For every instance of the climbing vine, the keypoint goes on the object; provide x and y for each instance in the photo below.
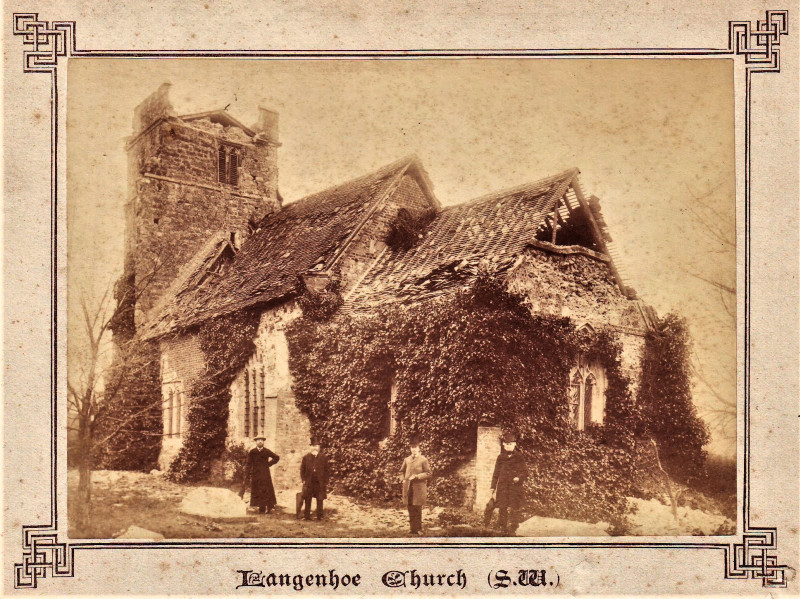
(127, 428)
(665, 397)
(227, 343)
(474, 357)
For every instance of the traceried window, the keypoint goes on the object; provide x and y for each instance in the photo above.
(258, 405)
(173, 408)
(247, 403)
(586, 396)
(575, 398)
(389, 417)
(228, 162)
(168, 412)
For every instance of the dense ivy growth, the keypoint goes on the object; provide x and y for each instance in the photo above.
(127, 428)
(474, 357)
(227, 343)
(665, 401)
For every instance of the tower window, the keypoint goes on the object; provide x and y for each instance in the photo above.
(228, 162)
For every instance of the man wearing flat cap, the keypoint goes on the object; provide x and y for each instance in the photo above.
(510, 472)
(259, 461)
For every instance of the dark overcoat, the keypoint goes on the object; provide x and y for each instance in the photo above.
(262, 493)
(509, 465)
(314, 474)
(421, 469)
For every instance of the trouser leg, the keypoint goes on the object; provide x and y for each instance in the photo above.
(417, 518)
(513, 520)
(319, 507)
(414, 514)
(307, 507)
(502, 518)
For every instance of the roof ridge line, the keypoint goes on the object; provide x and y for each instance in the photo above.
(371, 173)
(368, 213)
(494, 195)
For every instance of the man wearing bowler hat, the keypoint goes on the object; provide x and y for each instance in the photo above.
(510, 472)
(259, 461)
(416, 471)
(314, 474)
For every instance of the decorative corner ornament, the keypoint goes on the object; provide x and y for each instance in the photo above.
(41, 552)
(760, 45)
(49, 41)
(755, 558)
(44, 42)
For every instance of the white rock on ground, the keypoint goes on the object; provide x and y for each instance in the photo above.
(554, 527)
(213, 502)
(136, 532)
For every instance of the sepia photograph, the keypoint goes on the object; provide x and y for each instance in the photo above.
(401, 298)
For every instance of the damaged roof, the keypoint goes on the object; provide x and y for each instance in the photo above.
(286, 244)
(491, 231)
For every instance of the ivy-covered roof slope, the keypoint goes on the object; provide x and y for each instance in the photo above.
(491, 232)
(285, 244)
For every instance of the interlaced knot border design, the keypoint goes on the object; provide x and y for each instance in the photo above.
(44, 42)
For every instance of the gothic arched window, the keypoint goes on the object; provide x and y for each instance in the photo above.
(586, 392)
(588, 396)
(168, 413)
(575, 398)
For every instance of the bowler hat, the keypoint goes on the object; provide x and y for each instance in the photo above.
(509, 437)
(257, 437)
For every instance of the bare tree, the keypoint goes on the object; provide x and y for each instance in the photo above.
(99, 370)
(717, 229)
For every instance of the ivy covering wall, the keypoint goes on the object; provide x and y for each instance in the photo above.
(227, 343)
(475, 357)
(665, 400)
(127, 429)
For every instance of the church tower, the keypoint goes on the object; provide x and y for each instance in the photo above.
(190, 178)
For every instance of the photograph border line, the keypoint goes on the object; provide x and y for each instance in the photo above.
(45, 42)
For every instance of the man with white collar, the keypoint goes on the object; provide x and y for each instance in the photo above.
(259, 461)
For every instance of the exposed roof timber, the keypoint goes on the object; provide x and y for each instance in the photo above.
(575, 184)
(222, 115)
(413, 168)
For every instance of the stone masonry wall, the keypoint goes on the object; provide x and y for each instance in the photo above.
(583, 289)
(177, 202)
(265, 382)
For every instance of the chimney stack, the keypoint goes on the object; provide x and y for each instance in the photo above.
(157, 105)
(267, 126)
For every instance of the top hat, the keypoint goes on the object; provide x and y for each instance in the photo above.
(509, 438)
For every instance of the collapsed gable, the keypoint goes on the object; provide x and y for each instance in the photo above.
(309, 235)
(496, 232)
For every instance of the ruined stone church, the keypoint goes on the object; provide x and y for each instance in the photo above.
(208, 234)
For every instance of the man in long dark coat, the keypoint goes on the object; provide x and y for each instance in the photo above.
(510, 472)
(314, 474)
(259, 461)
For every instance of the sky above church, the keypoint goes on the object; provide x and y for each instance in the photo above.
(654, 140)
